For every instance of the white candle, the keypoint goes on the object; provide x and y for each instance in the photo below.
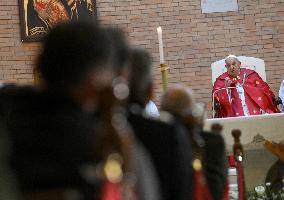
(160, 38)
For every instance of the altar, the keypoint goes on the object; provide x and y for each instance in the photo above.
(270, 126)
(257, 159)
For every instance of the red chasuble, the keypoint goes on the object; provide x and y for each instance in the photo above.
(258, 96)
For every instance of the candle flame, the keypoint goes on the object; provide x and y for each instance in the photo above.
(159, 29)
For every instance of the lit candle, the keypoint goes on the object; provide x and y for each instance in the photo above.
(159, 30)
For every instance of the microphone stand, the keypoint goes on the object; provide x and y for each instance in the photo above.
(213, 95)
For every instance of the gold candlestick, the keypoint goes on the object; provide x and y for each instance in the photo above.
(164, 71)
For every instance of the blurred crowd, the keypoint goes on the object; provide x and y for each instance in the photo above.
(84, 131)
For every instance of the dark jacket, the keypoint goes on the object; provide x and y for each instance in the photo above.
(215, 163)
(212, 149)
(170, 151)
(54, 144)
(52, 140)
(275, 176)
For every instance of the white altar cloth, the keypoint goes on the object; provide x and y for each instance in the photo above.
(270, 126)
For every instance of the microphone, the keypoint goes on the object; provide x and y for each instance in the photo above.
(213, 95)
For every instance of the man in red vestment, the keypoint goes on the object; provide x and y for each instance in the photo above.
(242, 92)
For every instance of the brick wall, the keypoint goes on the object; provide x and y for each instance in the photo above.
(192, 40)
(16, 58)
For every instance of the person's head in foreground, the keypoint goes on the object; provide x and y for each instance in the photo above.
(79, 58)
(73, 51)
(140, 77)
(179, 101)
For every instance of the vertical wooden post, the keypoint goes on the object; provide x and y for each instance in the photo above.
(239, 156)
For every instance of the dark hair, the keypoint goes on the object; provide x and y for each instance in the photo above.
(140, 77)
(120, 48)
(71, 50)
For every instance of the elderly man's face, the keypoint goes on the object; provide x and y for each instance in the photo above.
(233, 66)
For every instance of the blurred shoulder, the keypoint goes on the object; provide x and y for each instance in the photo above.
(12, 90)
(139, 117)
(13, 96)
(166, 117)
(213, 138)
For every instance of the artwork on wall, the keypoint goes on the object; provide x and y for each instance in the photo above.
(39, 16)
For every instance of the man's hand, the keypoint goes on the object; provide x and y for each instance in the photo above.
(277, 101)
(217, 106)
(228, 82)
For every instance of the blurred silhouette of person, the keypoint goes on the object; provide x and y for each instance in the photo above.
(275, 174)
(207, 147)
(167, 144)
(52, 129)
(8, 183)
(64, 143)
(149, 187)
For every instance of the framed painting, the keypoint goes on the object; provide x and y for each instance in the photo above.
(37, 17)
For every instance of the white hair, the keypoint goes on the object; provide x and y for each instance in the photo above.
(232, 56)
